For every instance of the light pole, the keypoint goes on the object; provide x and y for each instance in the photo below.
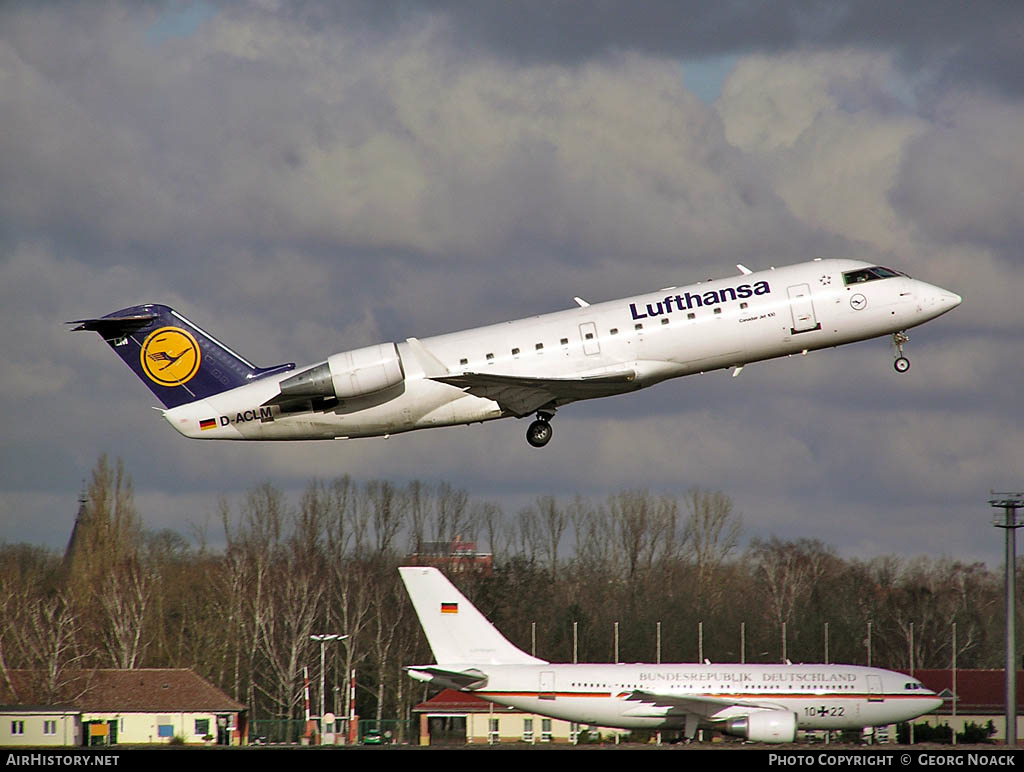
(322, 640)
(1010, 503)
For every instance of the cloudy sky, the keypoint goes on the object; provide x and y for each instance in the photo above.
(305, 178)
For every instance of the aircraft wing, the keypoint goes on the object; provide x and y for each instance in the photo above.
(521, 395)
(700, 705)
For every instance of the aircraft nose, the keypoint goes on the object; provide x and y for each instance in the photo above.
(943, 297)
(936, 301)
(921, 706)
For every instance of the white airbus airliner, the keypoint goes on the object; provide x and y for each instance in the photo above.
(521, 368)
(764, 703)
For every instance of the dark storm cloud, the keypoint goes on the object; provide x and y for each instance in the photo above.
(304, 178)
(963, 182)
(374, 158)
(943, 40)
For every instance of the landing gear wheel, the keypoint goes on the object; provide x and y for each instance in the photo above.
(902, 364)
(539, 433)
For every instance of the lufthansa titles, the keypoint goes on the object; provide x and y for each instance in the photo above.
(689, 300)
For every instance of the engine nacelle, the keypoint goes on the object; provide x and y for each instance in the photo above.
(764, 726)
(366, 370)
(350, 374)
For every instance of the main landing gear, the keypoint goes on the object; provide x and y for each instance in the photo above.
(902, 364)
(540, 431)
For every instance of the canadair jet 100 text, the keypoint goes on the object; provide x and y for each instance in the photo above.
(528, 367)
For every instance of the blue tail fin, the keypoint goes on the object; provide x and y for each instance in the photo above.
(177, 360)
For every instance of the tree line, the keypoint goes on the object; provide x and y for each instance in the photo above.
(639, 574)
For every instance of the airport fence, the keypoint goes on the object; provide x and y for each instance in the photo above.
(281, 731)
(276, 731)
(389, 731)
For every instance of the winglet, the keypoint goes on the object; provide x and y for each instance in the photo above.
(432, 366)
(743, 269)
(581, 302)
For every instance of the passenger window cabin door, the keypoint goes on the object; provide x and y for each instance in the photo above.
(874, 689)
(547, 685)
(588, 334)
(802, 307)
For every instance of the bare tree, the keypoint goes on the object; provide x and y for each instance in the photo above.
(644, 526)
(595, 551)
(50, 648)
(107, 579)
(283, 639)
(418, 512)
(553, 521)
(312, 521)
(338, 503)
(530, 538)
(788, 571)
(390, 615)
(921, 604)
(498, 535)
(350, 609)
(450, 513)
(125, 604)
(712, 533)
(251, 547)
(388, 513)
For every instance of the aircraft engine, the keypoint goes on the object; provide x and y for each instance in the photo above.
(764, 726)
(350, 374)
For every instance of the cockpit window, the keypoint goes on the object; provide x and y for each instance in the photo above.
(862, 275)
(913, 685)
(886, 273)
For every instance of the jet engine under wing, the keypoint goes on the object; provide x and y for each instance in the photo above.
(756, 720)
(521, 395)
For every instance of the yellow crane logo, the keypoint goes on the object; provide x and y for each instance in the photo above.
(170, 356)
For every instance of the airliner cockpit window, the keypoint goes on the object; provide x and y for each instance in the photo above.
(858, 277)
(869, 274)
(886, 273)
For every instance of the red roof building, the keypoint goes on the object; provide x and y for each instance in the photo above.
(145, 705)
(980, 698)
(455, 556)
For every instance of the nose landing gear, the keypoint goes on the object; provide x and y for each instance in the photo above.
(539, 432)
(902, 364)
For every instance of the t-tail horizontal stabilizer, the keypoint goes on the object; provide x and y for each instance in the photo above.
(176, 359)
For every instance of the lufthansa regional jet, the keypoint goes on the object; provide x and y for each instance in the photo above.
(762, 703)
(528, 367)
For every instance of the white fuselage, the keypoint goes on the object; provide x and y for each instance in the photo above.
(678, 331)
(627, 695)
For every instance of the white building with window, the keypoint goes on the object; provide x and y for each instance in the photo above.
(118, 707)
(40, 726)
(460, 718)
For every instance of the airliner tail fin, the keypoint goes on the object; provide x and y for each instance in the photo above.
(176, 359)
(456, 631)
